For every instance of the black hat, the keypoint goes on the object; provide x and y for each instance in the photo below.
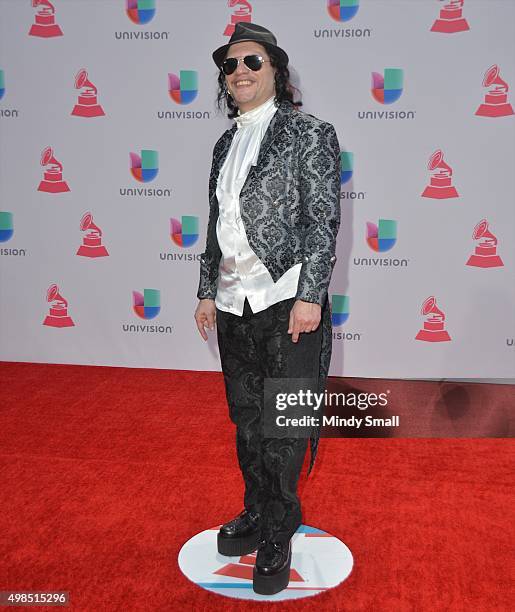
(250, 31)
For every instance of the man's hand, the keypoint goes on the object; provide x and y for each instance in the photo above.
(205, 316)
(304, 317)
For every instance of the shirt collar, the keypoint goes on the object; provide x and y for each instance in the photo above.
(256, 115)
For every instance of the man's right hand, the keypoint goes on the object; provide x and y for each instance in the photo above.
(205, 316)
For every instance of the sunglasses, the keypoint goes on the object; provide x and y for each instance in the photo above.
(254, 62)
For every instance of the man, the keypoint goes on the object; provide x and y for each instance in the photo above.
(270, 250)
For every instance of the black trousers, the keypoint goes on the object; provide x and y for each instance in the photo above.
(252, 348)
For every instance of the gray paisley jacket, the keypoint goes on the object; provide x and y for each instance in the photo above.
(290, 209)
(289, 204)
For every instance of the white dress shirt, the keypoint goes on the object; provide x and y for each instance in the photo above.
(241, 273)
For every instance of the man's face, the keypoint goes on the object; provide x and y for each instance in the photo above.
(247, 88)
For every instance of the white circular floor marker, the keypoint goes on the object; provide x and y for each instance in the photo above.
(319, 562)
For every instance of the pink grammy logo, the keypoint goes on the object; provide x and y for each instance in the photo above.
(244, 568)
(53, 175)
(92, 242)
(496, 98)
(58, 312)
(485, 253)
(44, 24)
(87, 104)
(243, 12)
(451, 18)
(434, 328)
(440, 186)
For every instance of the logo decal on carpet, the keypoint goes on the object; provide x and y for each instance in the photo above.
(319, 562)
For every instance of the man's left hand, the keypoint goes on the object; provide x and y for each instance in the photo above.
(304, 318)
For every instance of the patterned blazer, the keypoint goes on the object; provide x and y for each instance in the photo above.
(289, 204)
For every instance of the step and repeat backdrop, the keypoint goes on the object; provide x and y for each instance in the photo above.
(107, 125)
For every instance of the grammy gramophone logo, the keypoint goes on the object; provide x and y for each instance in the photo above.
(87, 103)
(440, 183)
(485, 253)
(496, 98)
(58, 310)
(451, 18)
(242, 12)
(434, 324)
(44, 24)
(52, 181)
(92, 240)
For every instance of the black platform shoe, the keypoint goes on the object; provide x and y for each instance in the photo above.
(272, 569)
(241, 535)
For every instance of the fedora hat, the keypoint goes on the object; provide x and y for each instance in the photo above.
(245, 31)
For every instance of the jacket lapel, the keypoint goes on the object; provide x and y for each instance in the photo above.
(229, 135)
(219, 159)
(276, 125)
(278, 122)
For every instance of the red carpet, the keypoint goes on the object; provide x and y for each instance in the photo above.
(106, 472)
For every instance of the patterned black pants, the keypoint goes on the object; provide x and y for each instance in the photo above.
(252, 348)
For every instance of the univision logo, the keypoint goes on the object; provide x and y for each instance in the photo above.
(339, 316)
(140, 11)
(342, 10)
(7, 232)
(346, 166)
(184, 233)
(339, 309)
(6, 226)
(146, 305)
(387, 87)
(346, 173)
(383, 236)
(144, 167)
(5, 112)
(183, 89)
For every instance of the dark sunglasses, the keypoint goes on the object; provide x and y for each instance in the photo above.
(254, 62)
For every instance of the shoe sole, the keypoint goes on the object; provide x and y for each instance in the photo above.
(235, 547)
(270, 585)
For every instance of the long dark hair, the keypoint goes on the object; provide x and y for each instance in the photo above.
(284, 90)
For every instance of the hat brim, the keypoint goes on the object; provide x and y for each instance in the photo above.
(221, 52)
